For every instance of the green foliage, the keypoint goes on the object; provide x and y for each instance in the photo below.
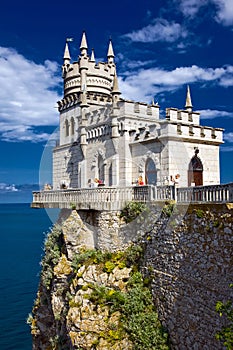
(109, 266)
(226, 333)
(108, 261)
(169, 208)
(139, 318)
(200, 213)
(133, 254)
(87, 257)
(53, 247)
(132, 210)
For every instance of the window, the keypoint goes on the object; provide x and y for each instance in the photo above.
(72, 124)
(66, 128)
(151, 173)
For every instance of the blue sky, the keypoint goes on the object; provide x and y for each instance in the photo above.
(160, 47)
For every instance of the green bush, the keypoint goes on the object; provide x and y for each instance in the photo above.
(132, 210)
(226, 333)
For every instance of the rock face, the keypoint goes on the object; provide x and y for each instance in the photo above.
(186, 253)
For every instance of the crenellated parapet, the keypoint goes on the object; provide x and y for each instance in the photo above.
(86, 74)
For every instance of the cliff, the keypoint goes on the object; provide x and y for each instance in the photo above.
(108, 284)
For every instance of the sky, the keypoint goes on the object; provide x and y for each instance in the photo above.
(160, 47)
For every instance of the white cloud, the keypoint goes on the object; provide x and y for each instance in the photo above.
(27, 96)
(190, 8)
(224, 11)
(211, 114)
(160, 30)
(228, 137)
(146, 83)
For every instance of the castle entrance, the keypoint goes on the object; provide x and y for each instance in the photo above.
(195, 171)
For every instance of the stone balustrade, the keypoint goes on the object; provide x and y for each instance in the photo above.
(115, 198)
(212, 193)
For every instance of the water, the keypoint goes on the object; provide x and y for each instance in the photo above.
(22, 233)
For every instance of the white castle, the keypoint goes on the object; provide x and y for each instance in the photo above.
(117, 141)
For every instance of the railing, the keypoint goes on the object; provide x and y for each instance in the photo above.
(114, 198)
(211, 193)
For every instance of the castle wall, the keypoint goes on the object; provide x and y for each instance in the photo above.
(190, 262)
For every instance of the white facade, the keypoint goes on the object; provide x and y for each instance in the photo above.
(104, 137)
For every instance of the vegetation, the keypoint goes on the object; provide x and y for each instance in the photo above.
(53, 248)
(108, 261)
(200, 213)
(139, 318)
(132, 210)
(226, 333)
(169, 208)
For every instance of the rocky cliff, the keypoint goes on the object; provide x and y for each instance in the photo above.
(103, 281)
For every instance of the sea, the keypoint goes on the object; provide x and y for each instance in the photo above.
(22, 232)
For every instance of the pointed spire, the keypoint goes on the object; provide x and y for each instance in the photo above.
(110, 54)
(115, 88)
(92, 55)
(83, 45)
(188, 104)
(66, 54)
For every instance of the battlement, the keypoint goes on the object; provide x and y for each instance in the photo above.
(183, 116)
(132, 109)
(86, 74)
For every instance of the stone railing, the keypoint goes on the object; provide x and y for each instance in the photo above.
(212, 193)
(100, 198)
(115, 198)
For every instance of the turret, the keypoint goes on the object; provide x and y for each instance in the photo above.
(188, 104)
(115, 111)
(66, 58)
(83, 45)
(92, 56)
(87, 75)
(110, 54)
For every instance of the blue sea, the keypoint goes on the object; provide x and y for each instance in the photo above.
(22, 231)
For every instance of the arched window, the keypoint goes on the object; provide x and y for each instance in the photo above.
(66, 128)
(72, 124)
(151, 173)
(195, 171)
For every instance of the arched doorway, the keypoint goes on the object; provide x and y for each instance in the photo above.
(150, 172)
(195, 171)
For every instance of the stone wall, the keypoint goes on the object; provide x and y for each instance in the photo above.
(190, 259)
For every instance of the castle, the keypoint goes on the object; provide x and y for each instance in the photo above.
(114, 141)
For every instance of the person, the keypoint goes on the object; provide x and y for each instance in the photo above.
(140, 181)
(96, 182)
(175, 179)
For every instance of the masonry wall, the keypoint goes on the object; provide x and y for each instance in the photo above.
(190, 259)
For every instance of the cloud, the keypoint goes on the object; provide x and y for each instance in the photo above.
(224, 13)
(145, 83)
(159, 30)
(27, 96)
(223, 9)
(212, 114)
(190, 8)
(228, 137)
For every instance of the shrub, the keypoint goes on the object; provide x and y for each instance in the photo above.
(132, 210)
(226, 333)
